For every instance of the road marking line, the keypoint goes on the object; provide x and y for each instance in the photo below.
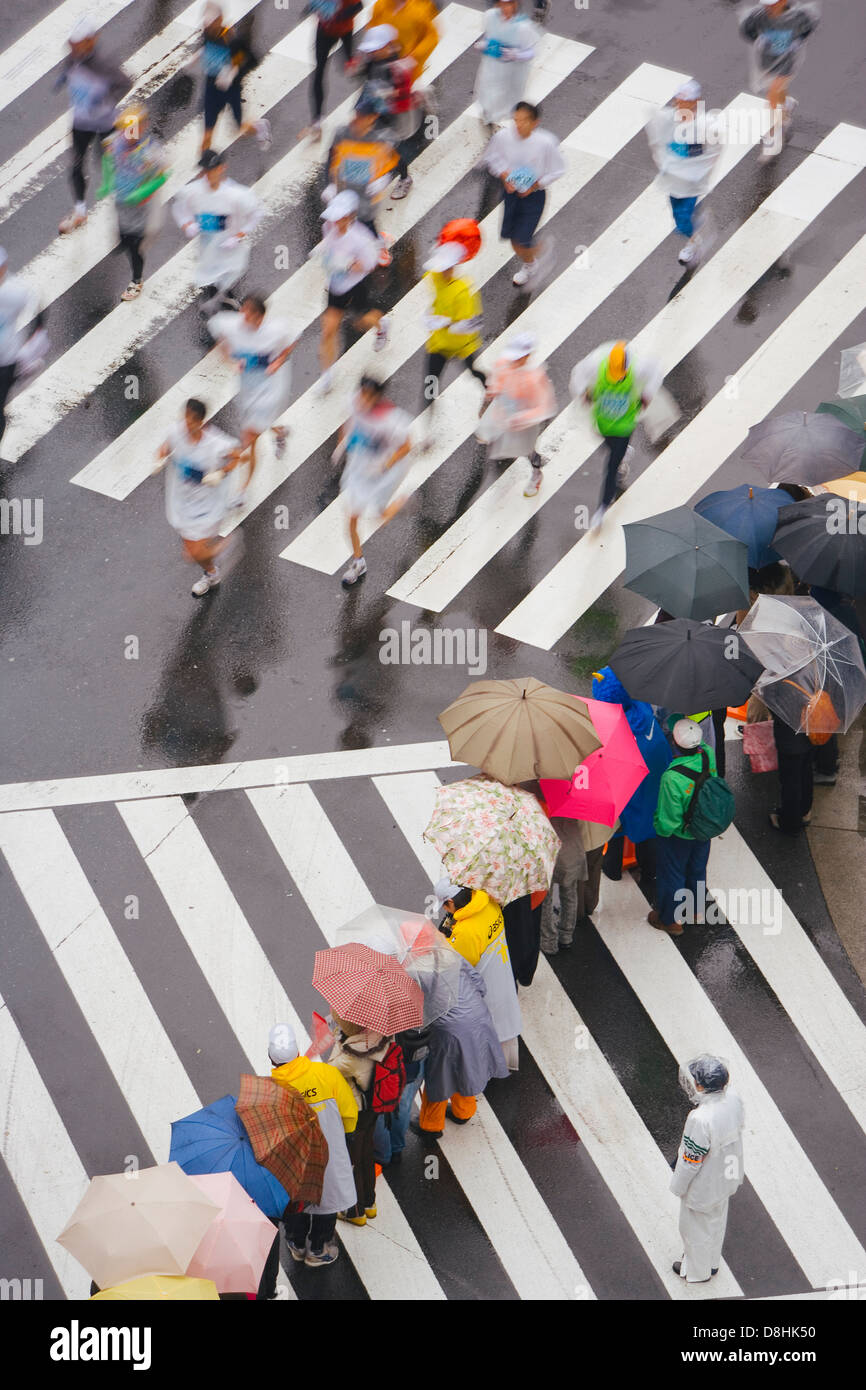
(115, 1004)
(795, 972)
(259, 772)
(226, 949)
(481, 531)
(585, 1086)
(793, 1195)
(42, 1160)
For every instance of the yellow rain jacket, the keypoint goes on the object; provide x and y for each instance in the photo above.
(476, 926)
(317, 1083)
(415, 25)
(456, 299)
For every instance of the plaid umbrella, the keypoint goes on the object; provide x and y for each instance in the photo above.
(493, 837)
(285, 1135)
(368, 988)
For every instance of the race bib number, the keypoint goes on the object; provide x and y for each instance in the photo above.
(522, 179)
(357, 172)
(189, 472)
(614, 404)
(253, 361)
(212, 221)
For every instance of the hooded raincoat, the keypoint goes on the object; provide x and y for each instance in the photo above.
(478, 933)
(709, 1171)
(327, 1092)
(464, 1050)
(636, 817)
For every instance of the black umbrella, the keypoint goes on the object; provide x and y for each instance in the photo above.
(802, 447)
(686, 565)
(685, 665)
(824, 542)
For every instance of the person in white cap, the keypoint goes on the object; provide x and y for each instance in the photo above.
(527, 160)
(454, 323)
(375, 443)
(95, 86)
(386, 80)
(226, 58)
(310, 1233)
(258, 344)
(709, 1167)
(523, 399)
(686, 143)
(508, 47)
(777, 31)
(349, 253)
(335, 20)
(223, 215)
(16, 300)
(681, 858)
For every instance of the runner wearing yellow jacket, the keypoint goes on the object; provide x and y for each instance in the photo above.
(454, 323)
(414, 21)
(310, 1233)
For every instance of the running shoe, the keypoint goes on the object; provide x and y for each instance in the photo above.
(281, 442)
(383, 328)
(132, 291)
(325, 382)
(400, 187)
(328, 1255)
(533, 483)
(297, 1252)
(522, 276)
(263, 134)
(206, 583)
(71, 221)
(357, 569)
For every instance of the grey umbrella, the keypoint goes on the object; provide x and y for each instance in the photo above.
(803, 447)
(686, 565)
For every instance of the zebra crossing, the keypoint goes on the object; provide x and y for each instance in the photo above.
(434, 577)
(580, 1092)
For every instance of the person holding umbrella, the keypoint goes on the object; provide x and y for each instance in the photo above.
(617, 385)
(475, 926)
(355, 1055)
(577, 871)
(681, 857)
(310, 1233)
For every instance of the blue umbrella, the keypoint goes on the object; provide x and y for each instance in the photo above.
(750, 514)
(214, 1140)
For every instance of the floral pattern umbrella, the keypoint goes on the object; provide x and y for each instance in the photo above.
(493, 837)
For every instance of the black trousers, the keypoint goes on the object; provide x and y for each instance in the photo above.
(81, 141)
(131, 243)
(363, 1161)
(645, 853)
(719, 717)
(523, 936)
(7, 380)
(616, 447)
(825, 756)
(325, 44)
(316, 1228)
(794, 752)
(434, 365)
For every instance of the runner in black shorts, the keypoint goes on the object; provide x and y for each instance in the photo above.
(349, 252)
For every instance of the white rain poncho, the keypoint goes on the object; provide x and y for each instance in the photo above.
(685, 150)
(776, 42)
(709, 1167)
(372, 436)
(195, 509)
(508, 46)
(262, 397)
(220, 213)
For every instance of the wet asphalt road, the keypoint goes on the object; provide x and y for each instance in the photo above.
(280, 660)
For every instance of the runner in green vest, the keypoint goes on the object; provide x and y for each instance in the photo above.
(618, 387)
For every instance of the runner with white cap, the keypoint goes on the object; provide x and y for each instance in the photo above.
(523, 399)
(222, 214)
(454, 322)
(95, 86)
(686, 143)
(375, 442)
(349, 253)
(777, 31)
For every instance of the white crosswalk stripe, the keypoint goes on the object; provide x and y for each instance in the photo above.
(498, 1184)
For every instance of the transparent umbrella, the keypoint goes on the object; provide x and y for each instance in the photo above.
(813, 676)
(424, 952)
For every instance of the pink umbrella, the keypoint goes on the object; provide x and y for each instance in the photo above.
(607, 779)
(235, 1246)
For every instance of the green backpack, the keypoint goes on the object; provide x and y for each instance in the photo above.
(711, 806)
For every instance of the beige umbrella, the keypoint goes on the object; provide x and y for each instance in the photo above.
(519, 729)
(149, 1221)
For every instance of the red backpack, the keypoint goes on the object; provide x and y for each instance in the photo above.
(389, 1078)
